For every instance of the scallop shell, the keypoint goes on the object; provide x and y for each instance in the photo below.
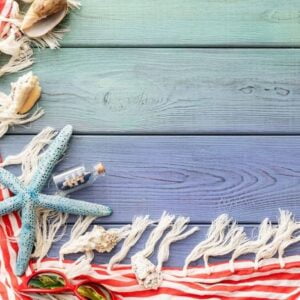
(43, 16)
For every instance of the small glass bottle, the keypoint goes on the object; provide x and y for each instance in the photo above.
(77, 178)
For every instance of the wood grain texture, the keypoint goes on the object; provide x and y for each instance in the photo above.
(169, 91)
(185, 23)
(179, 250)
(249, 177)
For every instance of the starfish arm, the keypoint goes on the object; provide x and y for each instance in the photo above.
(9, 205)
(49, 159)
(27, 238)
(75, 207)
(10, 181)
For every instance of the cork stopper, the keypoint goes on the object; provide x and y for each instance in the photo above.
(100, 169)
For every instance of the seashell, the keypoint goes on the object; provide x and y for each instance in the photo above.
(42, 16)
(98, 239)
(25, 93)
(145, 271)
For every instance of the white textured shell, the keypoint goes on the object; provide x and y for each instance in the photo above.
(98, 239)
(146, 273)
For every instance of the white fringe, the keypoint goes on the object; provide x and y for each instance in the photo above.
(215, 235)
(74, 4)
(233, 239)
(224, 237)
(283, 238)
(48, 225)
(139, 225)
(28, 158)
(52, 39)
(265, 233)
(79, 228)
(19, 50)
(143, 268)
(176, 234)
(164, 223)
(16, 119)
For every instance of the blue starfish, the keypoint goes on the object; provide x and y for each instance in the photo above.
(28, 198)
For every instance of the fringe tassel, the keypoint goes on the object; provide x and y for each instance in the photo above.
(144, 269)
(164, 223)
(74, 4)
(28, 158)
(79, 228)
(50, 40)
(215, 234)
(139, 225)
(17, 119)
(176, 234)
(20, 52)
(48, 225)
(283, 238)
(233, 239)
(265, 233)
(148, 275)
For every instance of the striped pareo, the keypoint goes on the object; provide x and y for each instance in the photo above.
(5, 9)
(12, 42)
(269, 281)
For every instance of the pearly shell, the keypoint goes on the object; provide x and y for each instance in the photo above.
(98, 239)
(145, 271)
(43, 16)
(25, 93)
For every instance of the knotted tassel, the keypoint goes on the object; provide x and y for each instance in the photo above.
(234, 237)
(177, 233)
(143, 268)
(283, 238)
(215, 234)
(139, 225)
(265, 233)
(29, 157)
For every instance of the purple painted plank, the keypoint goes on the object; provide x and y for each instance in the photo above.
(248, 177)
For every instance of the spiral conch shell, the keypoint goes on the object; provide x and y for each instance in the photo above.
(25, 93)
(42, 16)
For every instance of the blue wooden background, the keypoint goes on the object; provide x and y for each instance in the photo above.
(193, 106)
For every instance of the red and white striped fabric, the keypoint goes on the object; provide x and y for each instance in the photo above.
(269, 282)
(6, 7)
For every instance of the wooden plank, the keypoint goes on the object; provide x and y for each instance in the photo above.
(169, 90)
(248, 177)
(178, 253)
(185, 23)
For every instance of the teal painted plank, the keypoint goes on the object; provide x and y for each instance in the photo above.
(185, 23)
(248, 177)
(169, 90)
(179, 250)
